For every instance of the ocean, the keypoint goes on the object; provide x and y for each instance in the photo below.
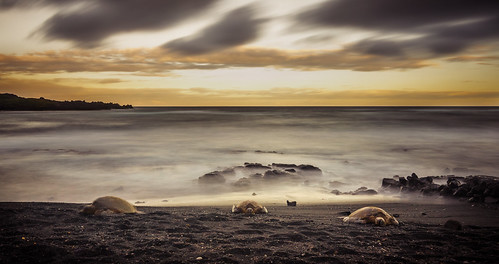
(155, 155)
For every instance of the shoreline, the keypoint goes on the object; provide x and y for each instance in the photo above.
(56, 232)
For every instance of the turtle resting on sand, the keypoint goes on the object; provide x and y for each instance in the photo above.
(249, 207)
(109, 204)
(371, 215)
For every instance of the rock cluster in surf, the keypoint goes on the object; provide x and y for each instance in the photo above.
(472, 188)
(256, 173)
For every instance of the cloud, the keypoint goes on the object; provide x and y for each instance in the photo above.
(9, 4)
(158, 62)
(97, 20)
(431, 28)
(236, 28)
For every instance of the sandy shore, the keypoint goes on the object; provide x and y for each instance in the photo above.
(54, 232)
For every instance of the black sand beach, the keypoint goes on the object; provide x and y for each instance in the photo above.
(56, 233)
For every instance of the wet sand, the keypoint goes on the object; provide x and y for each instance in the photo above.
(56, 233)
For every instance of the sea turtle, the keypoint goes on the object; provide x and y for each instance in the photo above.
(249, 207)
(109, 204)
(371, 215)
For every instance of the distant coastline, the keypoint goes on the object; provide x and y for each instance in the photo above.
(12, 102)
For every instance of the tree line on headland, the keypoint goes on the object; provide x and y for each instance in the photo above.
(12, 102)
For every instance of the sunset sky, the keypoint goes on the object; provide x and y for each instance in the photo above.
(241, 52)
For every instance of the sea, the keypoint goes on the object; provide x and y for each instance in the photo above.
(155, 155)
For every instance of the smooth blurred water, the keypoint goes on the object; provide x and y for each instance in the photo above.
(158, 153)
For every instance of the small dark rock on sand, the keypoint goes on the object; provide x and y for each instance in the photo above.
(453, 225)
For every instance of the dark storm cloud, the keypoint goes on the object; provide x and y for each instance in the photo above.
(396, 14)
(98, 20)
(8, 4)
(444, 26)
(236, 28)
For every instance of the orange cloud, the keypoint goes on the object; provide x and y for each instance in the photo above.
(160, 62)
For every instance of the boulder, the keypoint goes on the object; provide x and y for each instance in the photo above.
(212, 178)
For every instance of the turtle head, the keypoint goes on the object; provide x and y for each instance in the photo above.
(393, 221)
(250, 211)
(380, 221)
(88, 210)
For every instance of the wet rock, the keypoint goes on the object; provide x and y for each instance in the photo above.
(256, 176)
(336, 192)
(403, 181)
(453, 183)
(430, 189)
(243, 183)
(276, 175)
(292, 203)
(364, 191)
(290, 170)
(453, 225)
(446, 191)
(309, 169)
(390, 184)
(462, 191)
(212, 178)
(248, 165)
(284, 165)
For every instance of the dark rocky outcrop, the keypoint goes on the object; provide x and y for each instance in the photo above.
(276, 175)
(472, 188)
(212, 178)
(359, 191)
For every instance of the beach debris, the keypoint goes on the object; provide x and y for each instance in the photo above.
(371, 215)
(453, 225)
(249, 207)
(292, 203)
(109, 204)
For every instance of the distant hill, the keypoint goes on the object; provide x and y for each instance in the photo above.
(12, 102)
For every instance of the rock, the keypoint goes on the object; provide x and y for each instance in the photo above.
(453, 225)
(212, 178)
(243, 183)
(290, 170)
(336, 192)
(275, 175)
(293, 203)
(391, 184)
(403, 181)
(430, 189)
(364, 191)
(284, 165)
(256, 176)
(309, 169)
(248, 165)
(446, 191)
(462, 191)
(453, 183)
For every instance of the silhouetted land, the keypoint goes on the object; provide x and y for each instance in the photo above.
(12, 102)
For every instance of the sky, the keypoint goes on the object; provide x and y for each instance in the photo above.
(252, 53)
